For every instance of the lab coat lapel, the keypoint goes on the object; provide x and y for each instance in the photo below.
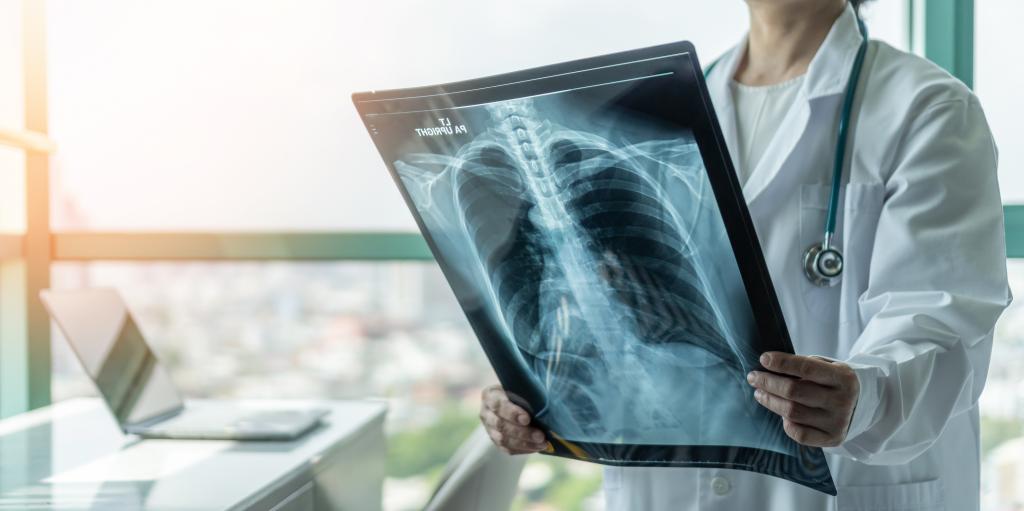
(826, 77)
(780, 149)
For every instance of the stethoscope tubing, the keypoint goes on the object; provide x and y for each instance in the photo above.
(842, 137)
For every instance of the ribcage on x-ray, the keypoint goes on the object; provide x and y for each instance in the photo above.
(590, 263)
(615, 221)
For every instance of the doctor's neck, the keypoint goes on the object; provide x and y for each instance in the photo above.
(784, 36)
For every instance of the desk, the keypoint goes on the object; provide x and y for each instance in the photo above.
(72, 455)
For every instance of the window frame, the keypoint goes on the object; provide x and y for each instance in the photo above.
(24, 324)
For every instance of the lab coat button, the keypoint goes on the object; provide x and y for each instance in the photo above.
(720, 485)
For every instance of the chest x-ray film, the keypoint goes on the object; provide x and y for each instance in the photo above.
(588, 219)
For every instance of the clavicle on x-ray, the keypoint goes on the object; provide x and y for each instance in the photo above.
(582, 232)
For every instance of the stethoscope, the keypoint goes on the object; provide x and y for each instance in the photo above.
(823, 262)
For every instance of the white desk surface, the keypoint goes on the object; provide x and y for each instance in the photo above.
(72, 455)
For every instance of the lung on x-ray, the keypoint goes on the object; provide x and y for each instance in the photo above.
(589, 221)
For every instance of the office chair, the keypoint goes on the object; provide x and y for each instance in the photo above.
(479, 477)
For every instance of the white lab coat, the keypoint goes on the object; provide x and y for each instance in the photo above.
(925, 280)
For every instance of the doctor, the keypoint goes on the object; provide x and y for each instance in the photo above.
(894, 355)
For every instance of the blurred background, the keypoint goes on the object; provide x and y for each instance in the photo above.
(210, 166)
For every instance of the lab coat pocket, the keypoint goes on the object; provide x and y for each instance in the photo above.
(855, 229)
(921, 496)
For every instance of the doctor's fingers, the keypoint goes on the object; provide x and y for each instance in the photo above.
(802, 391)
(815, 369)
(510, 430)
(496, 399)
(512, 438)
(817, 418)
(512, 446)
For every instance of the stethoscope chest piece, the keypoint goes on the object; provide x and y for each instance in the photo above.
(823, 265)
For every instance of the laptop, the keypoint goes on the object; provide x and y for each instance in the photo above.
(138, 390)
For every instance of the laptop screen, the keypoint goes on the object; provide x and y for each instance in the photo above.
(114, 353)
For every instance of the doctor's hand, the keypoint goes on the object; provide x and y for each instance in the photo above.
(815, 397)
(508, 424)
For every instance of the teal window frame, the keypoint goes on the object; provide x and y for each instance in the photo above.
(942, 30)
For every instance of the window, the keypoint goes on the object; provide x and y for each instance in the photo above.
(999, 82)
(887, 20)
(235, 116)
(1002, 407)
(246, 123)
(294, 329)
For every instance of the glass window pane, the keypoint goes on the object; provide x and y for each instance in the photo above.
(12, 161)
(332, 330)
(323, 330)
(236, 115)
(999, 82)
(887, 20)
(1002, 407)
